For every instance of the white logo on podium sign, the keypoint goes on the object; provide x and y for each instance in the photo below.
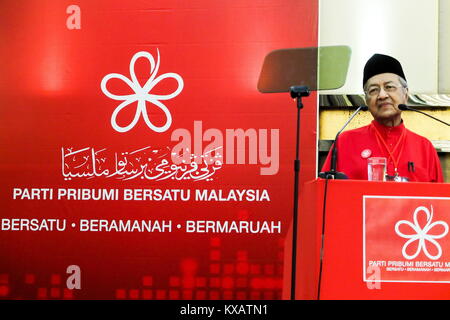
(142, 94)
(422, 234)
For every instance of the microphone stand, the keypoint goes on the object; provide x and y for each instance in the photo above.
(297, 92)
(405, 107)
(333, 174)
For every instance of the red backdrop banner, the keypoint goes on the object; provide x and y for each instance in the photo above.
(139, 160)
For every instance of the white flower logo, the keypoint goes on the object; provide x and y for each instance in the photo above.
(422, 234)
(142, 94)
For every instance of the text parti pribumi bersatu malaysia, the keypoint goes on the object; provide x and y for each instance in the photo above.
(405, 264)
(140, 194)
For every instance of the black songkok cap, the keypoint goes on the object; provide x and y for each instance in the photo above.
(380, 63)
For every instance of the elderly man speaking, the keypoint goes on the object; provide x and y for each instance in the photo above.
(410, 157)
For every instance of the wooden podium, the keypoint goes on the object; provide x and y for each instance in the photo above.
(381, 240)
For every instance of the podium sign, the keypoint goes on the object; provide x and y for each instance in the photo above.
(406, 238)
(381, 240)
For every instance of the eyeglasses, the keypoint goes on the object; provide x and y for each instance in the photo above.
(374, 91)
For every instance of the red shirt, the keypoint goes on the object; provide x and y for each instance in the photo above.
(355, 146)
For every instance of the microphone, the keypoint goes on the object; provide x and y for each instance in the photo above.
(334, 153)
(405, 107)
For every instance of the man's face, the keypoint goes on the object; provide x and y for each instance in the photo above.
(383, 95)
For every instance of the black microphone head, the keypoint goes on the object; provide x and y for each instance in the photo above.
(364, 108)
(403, 107)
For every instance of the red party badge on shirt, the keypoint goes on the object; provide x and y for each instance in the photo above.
(366, 153)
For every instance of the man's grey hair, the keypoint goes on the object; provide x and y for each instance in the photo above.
(403, 82)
